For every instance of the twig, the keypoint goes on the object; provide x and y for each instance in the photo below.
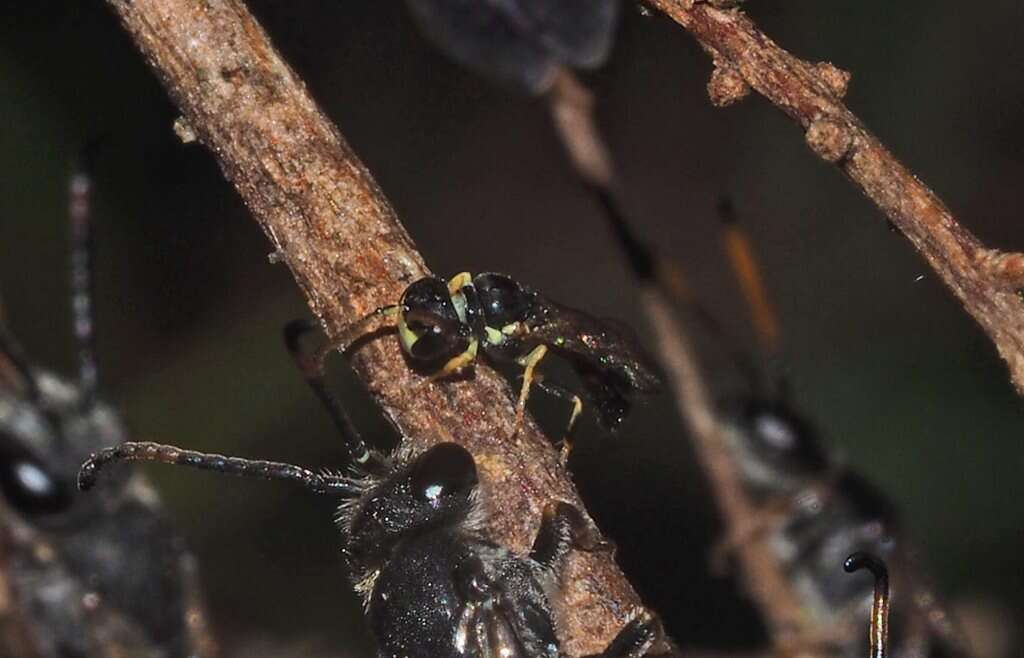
(663, 294)
(333, 227)
(989, 283)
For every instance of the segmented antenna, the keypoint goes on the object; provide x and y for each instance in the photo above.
(167, 454)
(880, 607)
(80, 220)
(311, 367)
(747, 270)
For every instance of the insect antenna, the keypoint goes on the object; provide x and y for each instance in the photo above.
(312, 370)
(82, 250)
(321, 484)
(745, 266)
(880, 606)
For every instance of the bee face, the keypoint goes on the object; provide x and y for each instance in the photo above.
(429, 326)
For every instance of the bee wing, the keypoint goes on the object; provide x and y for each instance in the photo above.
(603, 347)
(578, 32)
(486, 37)
(519, 42)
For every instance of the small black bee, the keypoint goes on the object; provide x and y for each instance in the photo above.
(86, 576)
(434, 586)
(521, 43)
(443, 326)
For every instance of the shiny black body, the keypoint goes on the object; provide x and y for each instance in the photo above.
(439, 589)
(822, 512)
(520, 42)
(508, 321)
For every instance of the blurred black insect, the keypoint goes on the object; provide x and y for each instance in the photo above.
(522, 43)
(84, 576)
(434, 586)
(442, 327)
(814, 509)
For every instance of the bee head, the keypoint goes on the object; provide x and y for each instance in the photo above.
(429, 327)
(435, 489)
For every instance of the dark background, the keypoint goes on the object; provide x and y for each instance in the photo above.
(901, 380)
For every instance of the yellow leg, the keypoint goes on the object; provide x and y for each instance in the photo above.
(577, 408)
(530, 362)
(459, 281)
(457, 363)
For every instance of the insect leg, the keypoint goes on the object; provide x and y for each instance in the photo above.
(457, 363)
(321, 484)
(559, 391)
(458, 282)
(312, 370)
(880, 606)
(530, 362)
(634, 640)
(563, 528)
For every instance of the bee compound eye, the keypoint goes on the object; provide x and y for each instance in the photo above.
(443, 471)
(29, 486)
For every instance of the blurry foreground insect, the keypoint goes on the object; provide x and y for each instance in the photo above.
(434, 586)
(84, 576)
(442, 326)
(520, 42)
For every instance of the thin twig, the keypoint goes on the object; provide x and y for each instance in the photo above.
(989, 283)
(663, 295)
(332, 226)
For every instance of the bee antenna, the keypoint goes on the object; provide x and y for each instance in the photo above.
(82, 251)
(747, 269)
(320, 484)
(880, 607)
(311, 367)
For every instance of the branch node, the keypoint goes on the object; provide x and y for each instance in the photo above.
(830, 139)
(184, 130)
(836, 79)
(726, 85)
(1006, 268)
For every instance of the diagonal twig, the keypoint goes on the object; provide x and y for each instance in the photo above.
(332, 226)
(989, 283)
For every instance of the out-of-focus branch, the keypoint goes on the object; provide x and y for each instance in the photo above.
(333, 227)
(988, 282)
(663, 295)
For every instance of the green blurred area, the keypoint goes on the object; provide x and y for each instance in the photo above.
(903, 383)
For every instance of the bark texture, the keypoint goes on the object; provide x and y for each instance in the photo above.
(331, 225)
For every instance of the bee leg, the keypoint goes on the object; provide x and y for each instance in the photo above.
(529, 362)
(635, 639)
(559, 391)
(563, 528)
(458, 362)
(459, 281)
